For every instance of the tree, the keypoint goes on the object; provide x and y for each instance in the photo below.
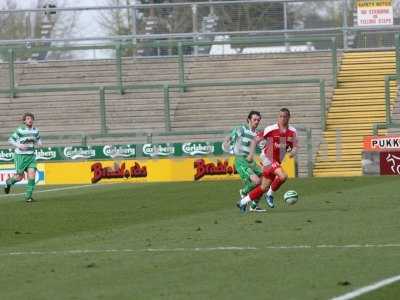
(118, 22)
(19, 26)
(12, 26)
(248, 17)
(315, 14)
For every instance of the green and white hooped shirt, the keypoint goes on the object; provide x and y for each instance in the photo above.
(24, 135)
(240, 139)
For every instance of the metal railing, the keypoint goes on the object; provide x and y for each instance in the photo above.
(388, 79)
(377, 126)
(259, 41)
(388, 113)
(166, 88)
(319, 82)
(179, 45)
(280, 17)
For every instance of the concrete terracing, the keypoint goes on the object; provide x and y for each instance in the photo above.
(200, 108)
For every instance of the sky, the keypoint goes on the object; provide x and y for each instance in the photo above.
(68, 3)
(87, 22)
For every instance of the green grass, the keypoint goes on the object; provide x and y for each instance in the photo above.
(388, 292)
(136, 217)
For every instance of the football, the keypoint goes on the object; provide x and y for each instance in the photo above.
(291, 197)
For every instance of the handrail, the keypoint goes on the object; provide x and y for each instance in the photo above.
(26, 48)
(248, 82)
(170, 43)
(259, 40)
(377, 126)
(77, 88)
(388, 123)
(388, 78)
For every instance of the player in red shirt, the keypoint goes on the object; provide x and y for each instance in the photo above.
(280, 139)
(277, 140)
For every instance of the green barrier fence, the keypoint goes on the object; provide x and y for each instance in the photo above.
(166, 91)
(319, 82)
(258, 41)
(179, 45)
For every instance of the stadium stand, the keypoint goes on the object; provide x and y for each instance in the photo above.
(202, 108)
(357, 104)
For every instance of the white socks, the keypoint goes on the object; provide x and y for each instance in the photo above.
(270, 192)
(245, 200)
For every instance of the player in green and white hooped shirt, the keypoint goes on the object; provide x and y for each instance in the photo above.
(239, 144)
(24, 139)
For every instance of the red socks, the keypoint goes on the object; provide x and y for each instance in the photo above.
(276, 183)
(256, 193)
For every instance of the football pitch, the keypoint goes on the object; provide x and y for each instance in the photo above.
(189, 241)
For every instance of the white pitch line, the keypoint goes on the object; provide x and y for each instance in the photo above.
(67, 252)
(56, 189)
(196, 249)
(368, 288)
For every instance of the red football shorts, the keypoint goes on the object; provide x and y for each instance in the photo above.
(269, 171)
